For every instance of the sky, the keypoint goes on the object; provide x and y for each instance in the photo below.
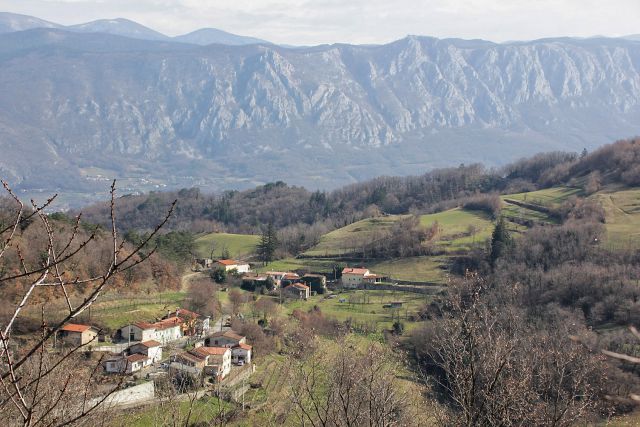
(310, 22)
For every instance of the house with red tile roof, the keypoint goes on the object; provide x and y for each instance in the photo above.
(192, 323)
(354, 277)
(225, 339)
(231, 264)
(241, 353)
(164, 331)
(74, 334)
(151, 349)
(203, 362)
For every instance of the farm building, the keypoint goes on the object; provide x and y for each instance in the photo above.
(77, 335)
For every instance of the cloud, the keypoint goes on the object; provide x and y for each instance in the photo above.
(355, 21)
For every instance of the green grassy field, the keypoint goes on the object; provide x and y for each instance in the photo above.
(622, 210)
(238, 245)
(549, 197)
(365, 306)
(459, 228)
(420, 269)
(345, 239)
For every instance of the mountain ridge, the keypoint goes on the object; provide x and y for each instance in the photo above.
(88, 107)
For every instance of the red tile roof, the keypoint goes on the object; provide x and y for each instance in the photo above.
(150, 343)
(300, 286)
(136, 358)
(228, 262)
(168, 323)
(72, 327)
(197, 358)
(210, 351)
(358, 271)
(144, 325)
(244, 346)
(228, 334)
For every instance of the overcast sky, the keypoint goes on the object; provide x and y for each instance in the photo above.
(355, 21)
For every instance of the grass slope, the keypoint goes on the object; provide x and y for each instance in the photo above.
(238, 245)
(622, 212)
(345, 239)
(459, 229)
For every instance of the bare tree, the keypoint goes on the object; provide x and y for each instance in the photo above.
(236, 299)
(40, 386)
(493, 368)
(354, 387)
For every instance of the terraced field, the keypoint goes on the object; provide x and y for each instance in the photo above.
(238, 245)
(531, 207)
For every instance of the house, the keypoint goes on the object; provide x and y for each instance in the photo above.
(230, 264)
(151, 349)
(289, 279)
(298, 290)
(241, 353)
(251, 281)
(126, 364)
(217, 360)
(203, 263)
(164, 331)
(192, 323)
(136, 362)
(277, 277)
(317, 282)
(354, 277)
(77, 335)
(225, 339)
(205, 361)
(187, 362)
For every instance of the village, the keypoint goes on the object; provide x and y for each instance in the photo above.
(194, 351)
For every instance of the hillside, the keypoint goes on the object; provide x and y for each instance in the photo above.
(461, 230)
(238, 245)
(164, 114)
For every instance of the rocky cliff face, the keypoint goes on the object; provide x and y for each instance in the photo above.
(219, 116)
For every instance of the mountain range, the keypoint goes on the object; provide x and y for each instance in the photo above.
(12, 22)
(79, 107)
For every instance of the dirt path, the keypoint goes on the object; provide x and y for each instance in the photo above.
(184, 282)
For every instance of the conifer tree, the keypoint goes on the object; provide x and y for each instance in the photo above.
(500, 241)
(268, 244)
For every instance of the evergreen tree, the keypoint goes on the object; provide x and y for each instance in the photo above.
(500, 241)
(268, 244)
